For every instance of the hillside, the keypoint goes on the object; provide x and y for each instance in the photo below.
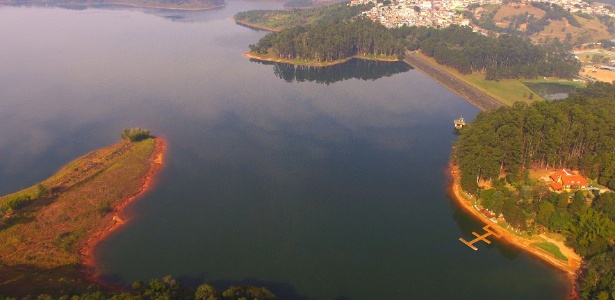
(541, 23)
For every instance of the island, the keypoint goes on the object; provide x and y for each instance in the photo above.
(48, 230)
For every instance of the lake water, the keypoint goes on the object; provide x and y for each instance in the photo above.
(317, 183)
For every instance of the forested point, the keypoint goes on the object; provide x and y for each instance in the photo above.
(499, 149)
(331, 41)
(325, 35)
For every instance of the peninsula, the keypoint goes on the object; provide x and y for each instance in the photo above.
(547, 190)
(49, 230)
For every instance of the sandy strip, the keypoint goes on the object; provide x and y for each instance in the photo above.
(253, 25)
(88, 261)
(570, 267)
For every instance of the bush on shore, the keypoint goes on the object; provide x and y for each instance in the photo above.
(135, 134)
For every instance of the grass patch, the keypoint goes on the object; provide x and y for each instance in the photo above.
(508, 91)
(551, 248)
(41, 241)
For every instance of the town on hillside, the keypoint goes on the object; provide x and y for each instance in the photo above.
(443, 13)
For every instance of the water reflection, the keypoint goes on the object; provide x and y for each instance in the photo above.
(354, 68)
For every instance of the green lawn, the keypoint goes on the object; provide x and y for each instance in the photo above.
(508, 91)
(553, 249)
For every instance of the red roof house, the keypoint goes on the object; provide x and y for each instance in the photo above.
(565, 179)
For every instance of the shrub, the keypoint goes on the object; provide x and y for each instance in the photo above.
(135, 134)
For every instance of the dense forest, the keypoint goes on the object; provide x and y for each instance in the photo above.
(500, 57)
(331, 41)
(502, 146)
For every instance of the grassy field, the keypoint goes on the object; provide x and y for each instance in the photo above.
(553, 249)
(507, 91)
(42, 237)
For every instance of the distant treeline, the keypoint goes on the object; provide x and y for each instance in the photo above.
(166, 288)
(576, 133)
(331, 41)
(500, 57)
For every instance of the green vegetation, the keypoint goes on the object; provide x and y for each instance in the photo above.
(496, 153)
(135, 134)
(165, 288)
(553, 249)
(502, 57)
(44, 227)
(332, 41)
(281, 19)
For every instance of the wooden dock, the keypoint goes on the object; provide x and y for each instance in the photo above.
(482, 237)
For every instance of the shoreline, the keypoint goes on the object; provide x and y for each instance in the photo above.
(95, 4)
(570, 267)
(471, 94)
(87, 259)
(314, 64)
(253, 25)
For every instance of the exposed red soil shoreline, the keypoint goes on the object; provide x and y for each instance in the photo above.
(570, 267)
(87, 258)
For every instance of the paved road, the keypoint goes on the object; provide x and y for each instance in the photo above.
(471, 94)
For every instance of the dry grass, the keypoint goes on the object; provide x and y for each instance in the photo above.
(598, 74)
(591, 30)
(515, 9)
(41, 242)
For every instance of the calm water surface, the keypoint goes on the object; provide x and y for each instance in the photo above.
(319, 184)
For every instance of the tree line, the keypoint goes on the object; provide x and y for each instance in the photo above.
(506, 56)
(500, 147)
(331, 41)
(165, 288)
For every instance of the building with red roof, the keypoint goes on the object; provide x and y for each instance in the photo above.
(564, 179)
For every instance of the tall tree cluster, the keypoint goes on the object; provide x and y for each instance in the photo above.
(500, 57)
(331, 41)
(576, 133)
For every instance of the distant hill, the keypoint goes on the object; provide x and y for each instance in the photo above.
(168, 4)
(541, 21)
